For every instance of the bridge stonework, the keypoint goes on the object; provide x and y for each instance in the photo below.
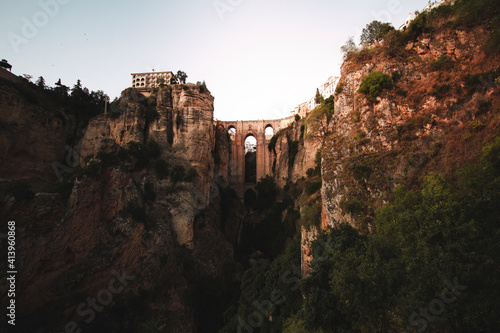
(257, 129)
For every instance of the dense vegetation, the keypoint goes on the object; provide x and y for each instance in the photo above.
(432, 265)
(463, 14)
(373, 84)
(432, 261)
(79, 101)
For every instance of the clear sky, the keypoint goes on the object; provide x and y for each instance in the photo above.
(259, 58)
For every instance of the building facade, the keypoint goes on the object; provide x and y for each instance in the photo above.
(151, 80)
(326, 90)
(430, 6)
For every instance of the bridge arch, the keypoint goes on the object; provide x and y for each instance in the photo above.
(261, 130)
(269, 131)
(250, 159)
(232, 132)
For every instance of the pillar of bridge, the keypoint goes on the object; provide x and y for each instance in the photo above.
(261, 154)
(238, 163)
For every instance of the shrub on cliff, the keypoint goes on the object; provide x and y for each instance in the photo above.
(375, 32)
(374, 83)
(348, 49)
(191, 175)
(293, 149)
(444, 62)
(161, 169)
(272, 144)
(313, 187)
(311, 215)
(178, 173)
(435, 251)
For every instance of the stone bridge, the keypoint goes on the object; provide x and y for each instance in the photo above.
(240, 131)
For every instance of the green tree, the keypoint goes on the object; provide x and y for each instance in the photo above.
(436, 251)
(375, 32)
(270, 289)
(318, 98)
(177, 174)
(348, 48)
(191, 175)
(181, 76)
(267, 190)
(41, 82)
(320, 118)
(373, 84)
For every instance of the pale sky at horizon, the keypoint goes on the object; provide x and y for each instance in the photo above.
(259, 58)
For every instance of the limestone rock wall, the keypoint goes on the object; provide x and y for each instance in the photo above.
(34, 131)
(119, 218)
(308, 145)
(427, 122)
(185, 132)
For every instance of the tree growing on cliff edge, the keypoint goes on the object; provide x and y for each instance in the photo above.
(375, 32)
(348, 48)
(181, 76)
(41, 82)
(319, 119)
(318, 98)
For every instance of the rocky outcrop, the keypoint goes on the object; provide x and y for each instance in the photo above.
(307, 144)
(434, 119)
(190, 113)
(183, 128)
(122, 219)
(34, 130)
(105, 133)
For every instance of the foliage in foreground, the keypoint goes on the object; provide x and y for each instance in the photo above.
(434, 263)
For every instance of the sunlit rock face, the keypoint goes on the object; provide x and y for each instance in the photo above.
(421, 125)
(183, 128)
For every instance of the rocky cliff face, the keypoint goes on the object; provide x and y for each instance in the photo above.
(442, 109)
(34, 131)
(185, 132)
(296, 142)
(126, 220)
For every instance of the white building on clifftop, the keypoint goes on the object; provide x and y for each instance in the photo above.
(326, 90)
(151, 80)
(430, 6)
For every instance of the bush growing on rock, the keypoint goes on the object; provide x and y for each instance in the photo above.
(161, 169)
(178, 173)
(373, 84)
(191, 174)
